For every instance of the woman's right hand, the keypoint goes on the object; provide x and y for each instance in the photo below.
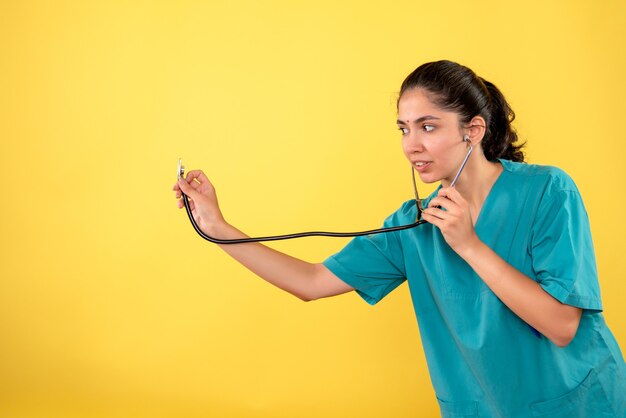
(202, 200)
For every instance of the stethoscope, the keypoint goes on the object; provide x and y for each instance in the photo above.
(418, 204)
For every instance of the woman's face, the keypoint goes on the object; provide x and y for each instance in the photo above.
(432, 139)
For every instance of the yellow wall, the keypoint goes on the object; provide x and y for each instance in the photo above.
(112, 306)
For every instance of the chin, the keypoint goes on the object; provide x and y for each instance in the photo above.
(429, 178)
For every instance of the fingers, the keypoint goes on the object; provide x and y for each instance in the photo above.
(188, 189)
(181, 204)
(451, 193)
(432, 219)
(436, 213)
(450, 199)
(176, 188)
(199, 175)
(194, 185)
(445, 203)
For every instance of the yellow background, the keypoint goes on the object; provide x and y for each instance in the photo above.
(112, 306)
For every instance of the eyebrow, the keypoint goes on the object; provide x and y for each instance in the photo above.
(418, 120)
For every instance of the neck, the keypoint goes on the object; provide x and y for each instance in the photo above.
(476, 180)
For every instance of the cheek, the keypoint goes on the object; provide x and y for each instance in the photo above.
(435, 146)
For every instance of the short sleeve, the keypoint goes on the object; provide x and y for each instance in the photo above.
(563, 257)
(372, 264)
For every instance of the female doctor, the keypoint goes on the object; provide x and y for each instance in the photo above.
(503, 276)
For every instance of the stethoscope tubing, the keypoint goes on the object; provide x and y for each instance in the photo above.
(291, 236)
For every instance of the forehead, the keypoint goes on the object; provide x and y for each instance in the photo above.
(416, 103)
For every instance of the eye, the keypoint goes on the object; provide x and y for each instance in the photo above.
(403, 130)
(428, 128)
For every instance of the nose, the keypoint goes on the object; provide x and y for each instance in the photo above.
(413, 143)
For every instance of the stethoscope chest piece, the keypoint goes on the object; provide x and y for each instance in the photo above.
(181, 169)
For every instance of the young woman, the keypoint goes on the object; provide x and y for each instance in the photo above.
(502, 277)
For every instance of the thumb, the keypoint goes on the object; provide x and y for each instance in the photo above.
(187, 189)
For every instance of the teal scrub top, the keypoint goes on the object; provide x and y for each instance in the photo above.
(484, 361)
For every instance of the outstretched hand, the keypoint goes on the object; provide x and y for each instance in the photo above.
(202, 200)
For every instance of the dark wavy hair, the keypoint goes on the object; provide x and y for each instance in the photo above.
(456, 88)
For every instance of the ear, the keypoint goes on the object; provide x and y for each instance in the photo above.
(476, 129)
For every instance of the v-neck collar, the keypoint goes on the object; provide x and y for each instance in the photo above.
(488, 200)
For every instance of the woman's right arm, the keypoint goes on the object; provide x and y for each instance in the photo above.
(307, 281)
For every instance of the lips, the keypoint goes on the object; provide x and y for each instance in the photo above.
(421, 165)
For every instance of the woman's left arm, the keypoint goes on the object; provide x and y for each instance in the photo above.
(526, 298)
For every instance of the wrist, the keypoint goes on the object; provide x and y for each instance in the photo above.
(471, 249)
(220, 229)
